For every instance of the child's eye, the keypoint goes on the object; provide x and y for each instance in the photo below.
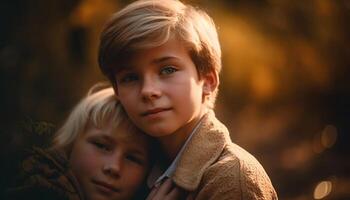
(168, 70)
(129, 77)
(101, 146)
(135, 159)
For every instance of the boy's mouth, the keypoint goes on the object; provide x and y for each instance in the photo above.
(154, 111)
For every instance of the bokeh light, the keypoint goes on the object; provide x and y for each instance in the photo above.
(322, 189)
(284, 89)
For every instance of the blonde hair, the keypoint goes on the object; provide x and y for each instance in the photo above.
(99, 107)
(145, 24)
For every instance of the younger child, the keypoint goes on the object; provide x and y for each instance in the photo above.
(97, 154)
(163, 58)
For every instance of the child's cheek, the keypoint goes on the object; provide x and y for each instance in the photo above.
(134, 178)
(84, 159)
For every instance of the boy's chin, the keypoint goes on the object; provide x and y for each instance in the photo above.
(159, 133)
(157, 129)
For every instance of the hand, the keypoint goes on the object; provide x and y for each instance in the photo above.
(167, 191)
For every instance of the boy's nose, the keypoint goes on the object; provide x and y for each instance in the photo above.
(150, 89)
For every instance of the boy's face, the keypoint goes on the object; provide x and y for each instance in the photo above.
(161, 91)
(109, 164)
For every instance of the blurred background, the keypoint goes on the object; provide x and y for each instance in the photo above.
(284, 91)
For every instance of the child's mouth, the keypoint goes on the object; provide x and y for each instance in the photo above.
(105, 187)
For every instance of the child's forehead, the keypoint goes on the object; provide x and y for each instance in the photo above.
(132, 140)
(124, 133)
(112, 126)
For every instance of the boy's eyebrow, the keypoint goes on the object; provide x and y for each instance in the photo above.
(165, 58)
(129, 67)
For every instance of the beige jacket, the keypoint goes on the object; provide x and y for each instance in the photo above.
(212, 167)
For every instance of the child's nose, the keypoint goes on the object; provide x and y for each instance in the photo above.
(113, 167)
(150, 89)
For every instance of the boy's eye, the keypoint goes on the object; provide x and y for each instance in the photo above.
(129, 77)
(168, 70)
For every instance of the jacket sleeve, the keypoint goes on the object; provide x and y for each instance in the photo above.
(235, 180)
(220, 181)
(255, 183)
(34, 192)
(44, 175)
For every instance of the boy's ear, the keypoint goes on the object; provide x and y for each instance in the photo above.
(210, 82)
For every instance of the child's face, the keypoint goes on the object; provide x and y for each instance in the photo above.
(108, 164)
(161, 91)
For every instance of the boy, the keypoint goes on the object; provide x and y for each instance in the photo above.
(98, 154)
(163, 59)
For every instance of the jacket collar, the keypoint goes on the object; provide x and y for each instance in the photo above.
(157, 174)
(203, 150)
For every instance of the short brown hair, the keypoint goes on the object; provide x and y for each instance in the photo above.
(150, 23)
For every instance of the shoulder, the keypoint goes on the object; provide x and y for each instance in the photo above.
(34, 192)
(44, 174)
(237, 174)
